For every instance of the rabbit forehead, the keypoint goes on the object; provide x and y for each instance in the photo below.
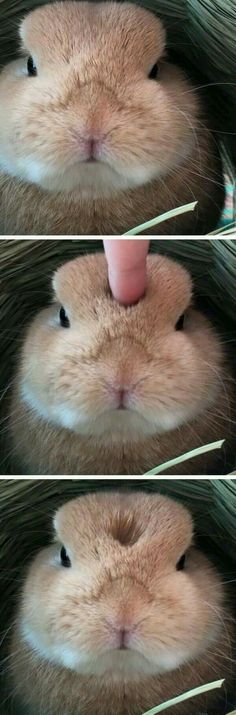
(85, 279)
(73, 26)
(115, 515)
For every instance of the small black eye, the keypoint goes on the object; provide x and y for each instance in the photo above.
(64, 320)
(181, 563)
(154, 72)
(31, 67)
(180, 323)
(65, 561)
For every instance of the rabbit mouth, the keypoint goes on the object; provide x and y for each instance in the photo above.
(91, 160)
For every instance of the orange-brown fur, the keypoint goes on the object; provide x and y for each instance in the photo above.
(123, 549)
(156, 152)
(179, 387)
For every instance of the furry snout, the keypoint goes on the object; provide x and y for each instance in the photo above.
(90, 146)
(122, 393)
(121, 632)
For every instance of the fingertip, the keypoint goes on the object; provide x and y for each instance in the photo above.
(126, 260)
(127, 288)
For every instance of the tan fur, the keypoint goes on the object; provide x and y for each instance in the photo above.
(125, 579)
(155, 151)
(64, 417)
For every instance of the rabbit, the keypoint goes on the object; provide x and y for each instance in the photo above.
(101, 388)
(120, 613)
(99, 132)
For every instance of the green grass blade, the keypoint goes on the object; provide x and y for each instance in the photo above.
(229, 228)
(185, 696)
(159, 219)
(185, 457)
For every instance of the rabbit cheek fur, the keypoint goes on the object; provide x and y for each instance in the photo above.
(72, 382)
(151, 150)
(123, 583)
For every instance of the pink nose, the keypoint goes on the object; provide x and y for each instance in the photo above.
(91, 147)
(122, 639)
(121, 396)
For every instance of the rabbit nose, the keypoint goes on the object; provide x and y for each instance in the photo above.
(120, 395)
(92, 147)
(122, 639)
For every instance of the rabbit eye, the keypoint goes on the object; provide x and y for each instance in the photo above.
(31, 67)
(180, 323)
(64, 320)
(181, 563)
(65, 560)
(154, 72)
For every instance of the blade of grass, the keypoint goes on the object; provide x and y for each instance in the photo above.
(185, 457)
(185, 696)
(159, 219)
(230, 228)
